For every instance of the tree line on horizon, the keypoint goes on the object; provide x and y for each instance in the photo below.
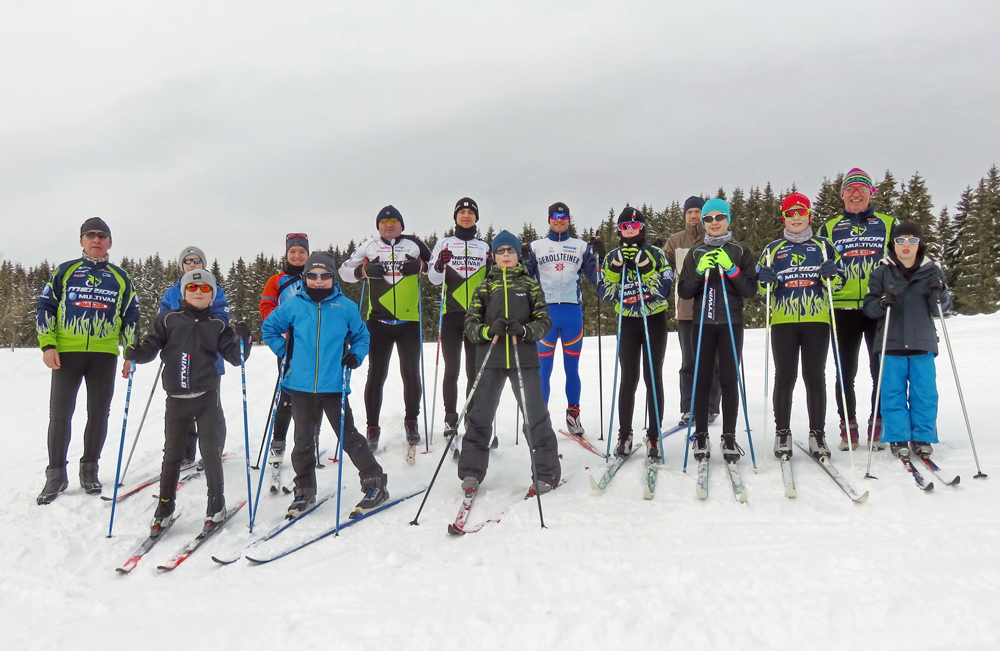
(965, 240)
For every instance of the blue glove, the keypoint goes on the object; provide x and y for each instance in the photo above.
(766, 275)
(828, 269)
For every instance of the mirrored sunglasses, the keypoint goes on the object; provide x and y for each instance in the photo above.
(791, 213)
(198, 287)
(295, 236)
(100, 235)
(625, 226)
(195, 260)
(718, 217)
(326, 275)
(559, 216)
(506, 250)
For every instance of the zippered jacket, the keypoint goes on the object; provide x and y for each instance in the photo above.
(862, 239)
(738, 287)
(508, 294)
(560, 263)
(87, 307)
(911, 327)
(677, 249)
(799, 293)
(394, 297)
(463, 273)
(655, 284)
(319, 331)
(189, 342)
(279, 288)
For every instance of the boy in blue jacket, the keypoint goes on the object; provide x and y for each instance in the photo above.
(327, 335)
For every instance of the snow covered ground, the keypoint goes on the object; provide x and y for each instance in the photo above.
(905, 570)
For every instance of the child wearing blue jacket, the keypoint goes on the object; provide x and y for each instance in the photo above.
(327, 335)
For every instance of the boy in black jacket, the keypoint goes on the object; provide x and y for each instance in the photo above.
(912, 285)
(189, 339)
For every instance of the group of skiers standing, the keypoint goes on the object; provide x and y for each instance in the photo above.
(507, 305)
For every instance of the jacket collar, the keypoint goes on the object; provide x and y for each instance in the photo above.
(558, 237)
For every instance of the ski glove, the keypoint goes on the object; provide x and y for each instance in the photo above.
(888, 300)
(515, 329)
(936, 287)
(374, 270)
(242, 331)
(828, 269)
(628, 252)
(766, 275)
(643, 262)
(597, 246)
(707, 261)
(617, 261)
(444, 257)
(350, 361)
(498, 329)
(723, 260)
(412, 266)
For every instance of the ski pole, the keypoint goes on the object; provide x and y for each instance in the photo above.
(270, 430)
(346, 383)
(697, 361)
(437, 360)
(878, 391)
(767, 361)
(840, 373)
(652, 371)
(527, 428)
(517, 427)
(141, 421)
(121, 449)
(961, 398)
(461, 415)
(423, 376)
(246, 425)
(736, 362)
(618, 350)
(600, 364)
(270, 415)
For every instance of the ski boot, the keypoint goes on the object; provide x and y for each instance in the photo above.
(713, 417)
(215, 512)
(624, 445)
(542, 486)
(470, 486)
(653, 449)
(495, 443)
(573, 421)
(920, 448)
(875, 435)
(783, 443)
(685, 419)
(412, 435)
(450, 425)
(852, 429)
(55, 483)
(731, 451)
(164, 509)
(88, 479)
(700, 445)
(900, 449)
(304, 498)
(277, 452)
(375, 495)
(817, 444)
(374, 431)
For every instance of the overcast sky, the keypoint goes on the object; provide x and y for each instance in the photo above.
(229, 124)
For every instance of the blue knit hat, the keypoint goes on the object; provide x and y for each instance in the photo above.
(693, 202)
(717, 204)
(506, 238)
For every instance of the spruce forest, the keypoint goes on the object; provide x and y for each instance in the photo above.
(966, 240)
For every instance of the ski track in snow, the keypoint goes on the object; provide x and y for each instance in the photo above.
(903, 571)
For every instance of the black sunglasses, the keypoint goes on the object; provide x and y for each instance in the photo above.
(326, 275)
(708, 219)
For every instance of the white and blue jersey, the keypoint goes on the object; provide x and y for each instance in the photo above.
(559, 262)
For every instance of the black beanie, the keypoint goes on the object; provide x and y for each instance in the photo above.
(389, 212)
(693, 202)
(94, 224)
(466, 202)
(908, 228)
(631, 214)
(557, 208)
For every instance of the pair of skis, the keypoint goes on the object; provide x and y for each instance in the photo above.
(460, 527)
(923, 484)
(826, 464)
(652, 469)
(735, 478)
(198, 471)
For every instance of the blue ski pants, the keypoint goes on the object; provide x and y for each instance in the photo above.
(909, 399)
(567, 325)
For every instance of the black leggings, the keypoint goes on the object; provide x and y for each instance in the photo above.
(283, 414)
(852, 325)
(452, 341)
(98, 370)
(406, 338)
(687, 335)
(181, 414)
(787, 339)
(632, 352)
(715, 340)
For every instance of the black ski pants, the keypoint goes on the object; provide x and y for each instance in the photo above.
(813, 340)
(716, 341)
(688, 337)
(206, 412)
(452, 341)
(191, 440)
(475, 456)
(283, 414)
(852, 325)
(633, 353)
(98, 370)
(406, 338)
(308, 410)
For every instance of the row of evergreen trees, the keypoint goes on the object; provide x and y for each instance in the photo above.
(966, 241)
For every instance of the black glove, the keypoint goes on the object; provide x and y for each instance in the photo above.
(515, 329)
(936, 287)
(375, 270)
(412, 266)
(242, 331)
(617, 260)
(888, 300)
(350, 361)
(597, 246)
(828, 269)
(444, 257)
(766, 275)
(643, 262)
(498, 329)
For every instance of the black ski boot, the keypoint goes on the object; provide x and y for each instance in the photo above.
(900, 449)
(164, 509)
(624, 445)
(215, 512)
(412, 434)
(88, 479)
(470, 486)
(653, 448)
(543, 486)
(55, 483)
(922, 449)
(374, 431)
(685, 419)
(375, 495)
(713, 417)
(304, 498)
(701, 446)
(450, 424)
(731, 451)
